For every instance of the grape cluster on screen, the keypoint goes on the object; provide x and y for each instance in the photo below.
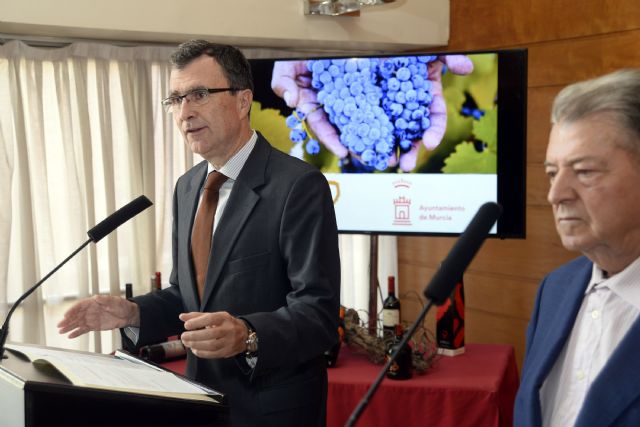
(379, 105)
(298, 135)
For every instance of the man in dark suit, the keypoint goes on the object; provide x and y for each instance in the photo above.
(583, 341)
(259, 306)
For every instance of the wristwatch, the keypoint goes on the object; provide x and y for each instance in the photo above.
(252, 341)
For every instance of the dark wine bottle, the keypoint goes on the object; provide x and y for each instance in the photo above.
(331, 355)
(402, 367)
(390, 311)
(163, 351)
(156, 282)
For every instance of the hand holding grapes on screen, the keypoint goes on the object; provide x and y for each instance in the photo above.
(432, 136)
(371, 108)
(292, 82)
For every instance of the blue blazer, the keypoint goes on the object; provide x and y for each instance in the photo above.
(614, 396)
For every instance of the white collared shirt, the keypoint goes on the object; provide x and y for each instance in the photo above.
(609, 308)
(231, 170)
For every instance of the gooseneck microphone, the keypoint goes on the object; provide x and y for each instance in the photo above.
(105, 227)
(118, 218)
(441, 285)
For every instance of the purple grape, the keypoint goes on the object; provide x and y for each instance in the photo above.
(297, 135)
(313, 146)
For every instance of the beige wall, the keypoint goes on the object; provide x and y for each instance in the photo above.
(568, 40)
(403, 24)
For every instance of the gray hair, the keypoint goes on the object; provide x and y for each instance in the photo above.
(234, 64)
(617, 94)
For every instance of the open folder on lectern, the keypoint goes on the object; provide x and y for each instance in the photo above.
(118, 372)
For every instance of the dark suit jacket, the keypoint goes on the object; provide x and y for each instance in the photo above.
(275, 263)
(614, 396)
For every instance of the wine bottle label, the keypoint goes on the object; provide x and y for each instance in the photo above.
(173, 348)
(390, 318)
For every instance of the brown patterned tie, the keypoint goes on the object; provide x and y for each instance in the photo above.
(203, 226)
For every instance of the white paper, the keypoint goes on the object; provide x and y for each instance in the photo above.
(109, 372)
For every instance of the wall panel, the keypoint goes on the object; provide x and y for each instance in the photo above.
(499, 23)
(565, 61)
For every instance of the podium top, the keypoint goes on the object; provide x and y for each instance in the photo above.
(37, 395)
(22, 370)
(120, 372)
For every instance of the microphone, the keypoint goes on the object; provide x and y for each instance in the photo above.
(441, 284)
(118, 218)
(105, 227)
(462, 253)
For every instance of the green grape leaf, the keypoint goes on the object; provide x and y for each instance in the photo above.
(484, 64)
(466, 159)
(483, 82)
(272, 126)
(486, 129)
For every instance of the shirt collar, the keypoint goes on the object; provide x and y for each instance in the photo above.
(598, 276)
(625, 284)
(234, 165)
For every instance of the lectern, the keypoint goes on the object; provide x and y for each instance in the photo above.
(33, 396)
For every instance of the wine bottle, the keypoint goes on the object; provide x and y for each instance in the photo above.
(128, 291)
(156, 282)
(331, 355)
(390, 311)
(401, 368)
(163, 351)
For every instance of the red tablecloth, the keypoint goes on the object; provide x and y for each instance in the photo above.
(178, 366)
(474, 389)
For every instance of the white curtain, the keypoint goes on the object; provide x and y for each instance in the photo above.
(82, 133)
(355, 252)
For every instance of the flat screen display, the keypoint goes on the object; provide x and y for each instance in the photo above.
(410, 144)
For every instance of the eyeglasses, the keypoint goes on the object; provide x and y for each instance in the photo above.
(196, 97)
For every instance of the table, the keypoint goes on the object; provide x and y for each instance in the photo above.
(474, 389)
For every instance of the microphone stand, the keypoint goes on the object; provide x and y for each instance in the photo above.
(442, 283)
(98, 232)
(365, 400)
(4, 332)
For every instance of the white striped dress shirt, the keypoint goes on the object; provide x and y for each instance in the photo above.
(609, 308)
(231, 170)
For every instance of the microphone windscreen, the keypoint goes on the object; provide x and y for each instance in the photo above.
(460, 256)
(118, 218)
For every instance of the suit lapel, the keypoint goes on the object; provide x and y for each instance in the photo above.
(187, 214)
(568, 294)
(241, 202)
(615, 387)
